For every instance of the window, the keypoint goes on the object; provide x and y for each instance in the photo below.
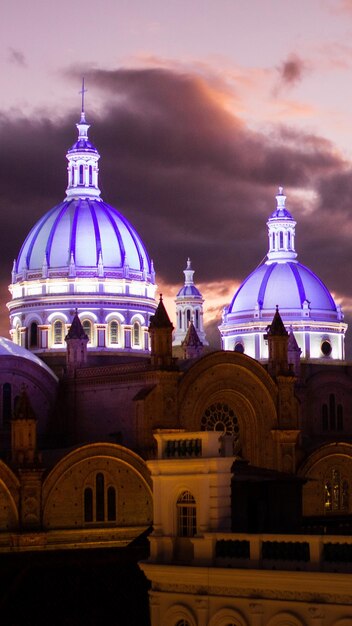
(289, 239)
(179, 319)
(136, 334)
(281, 240)
(87, 327)
(58, 332)
(33, 335)
(72, 175)
(81, 174)
(332, 415)
(197, 319)
(6, 404)
(99, 501)
(188, 317)
(114, 332)
(336, 493)
(239, 347)
(273, 241)
(186, 515)
(326, 347)
(90, 175)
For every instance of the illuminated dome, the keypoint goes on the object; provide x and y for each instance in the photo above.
(82, 254)
(306, 305)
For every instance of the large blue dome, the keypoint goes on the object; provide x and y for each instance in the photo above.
(82, 256)
(87, 231)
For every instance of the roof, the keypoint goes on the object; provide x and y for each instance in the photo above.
(277, 328)
(10, 349)
(85, 230)
(160, 319)
(76, 329)
(288, 284)
(191, 338)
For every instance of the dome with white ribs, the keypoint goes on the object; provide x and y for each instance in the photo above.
(82, 255)
(306, 305)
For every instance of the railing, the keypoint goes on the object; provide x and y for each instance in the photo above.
(181, 448)
(286, 552)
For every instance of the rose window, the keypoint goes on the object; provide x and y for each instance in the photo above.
(220, 417)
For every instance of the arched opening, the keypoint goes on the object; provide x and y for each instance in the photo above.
(33, 335)
(87, 327)
(58, 332)
(336, 493)
(81, 174)
(186, 515)
(197, 319)
(90, 176)
(99, 501)
(188, 317)
(281, 240)
(114, 332)
(136, 334)
(99, 497)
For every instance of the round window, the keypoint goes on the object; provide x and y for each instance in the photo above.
(239, 347)
(222, 418)
(326, 347)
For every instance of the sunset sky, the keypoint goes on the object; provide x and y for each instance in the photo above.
(199, 109)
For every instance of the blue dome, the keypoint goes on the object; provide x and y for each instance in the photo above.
(289, 285)
(87, 230)
(188, 290)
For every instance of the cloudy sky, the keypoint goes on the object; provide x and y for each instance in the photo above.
(200, 109)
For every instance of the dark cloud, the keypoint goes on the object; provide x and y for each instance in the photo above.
(16, 57)
(291, 71)
(188, 174)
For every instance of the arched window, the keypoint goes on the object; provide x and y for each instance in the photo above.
(289, 240)
(6, 404)
(186, 515)
(188, 316)
(87, 327)
(136, 334)
(221, 417)
(99, 501)
(336, 493)
(72, 175)
(197, 319)
(332, 414)
(180, 319)
(114, 332)
(33, 335)
(273, 241)
(81, 171)
(281, 239)
(90, 175)
(58, 332)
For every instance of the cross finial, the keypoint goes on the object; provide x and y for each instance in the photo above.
(83, 91)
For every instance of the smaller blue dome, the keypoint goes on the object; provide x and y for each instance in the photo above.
(188, 290)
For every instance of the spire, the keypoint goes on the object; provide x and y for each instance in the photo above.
(76, 330)
(160, 319)
(160, 331)
(192, 345)
(281, 231)
(277, 337)
(277, 327)
(82, 161)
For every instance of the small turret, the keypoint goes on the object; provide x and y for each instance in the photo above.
(76, 340)
(189, 307)
(277, 337)
(160, 331)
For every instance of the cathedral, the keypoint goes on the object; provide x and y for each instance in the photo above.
(107, 411)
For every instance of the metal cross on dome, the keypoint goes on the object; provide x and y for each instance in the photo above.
(83, 91)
